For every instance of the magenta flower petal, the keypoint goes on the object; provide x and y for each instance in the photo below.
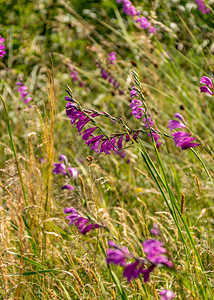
(73, 172)
(175, 124)
(132, 271)
(207, 81)
(120, 142)
(146, 273)
(67, 187)
(205, 89)
(87, 133)
(59, 169)
(62, 158)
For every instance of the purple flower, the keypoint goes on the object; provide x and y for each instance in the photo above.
(73, 172)
(133, 270)
(107, 76)
(144, 23)
(87, 133)
(117, 255)
(206, 89)
(23, 92)
(155, 250)
(175, 124)
(207, 81)
(67, 187)
(137, 109)
(59, 169)
(97, 143)
(133, 92)
(112, 57)
(184, 140)
(181, 138)
(104, 74)
(63, 158)
(84, 225)
(120, 142)
(128, 8)
(75, 76)
(146, 273)
(155, 229)
(202, 6)
(167, 295)
(2, 52)
(152, 29)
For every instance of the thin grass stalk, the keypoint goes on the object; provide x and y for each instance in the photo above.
(14, 151)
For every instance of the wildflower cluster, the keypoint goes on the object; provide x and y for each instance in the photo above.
(111, 79)
(181, 138)
(23, 92)
(130, 10)
(138, 111)
(63, 169)
(84, 224)
(99, 143)
(74, 74)
(2, 47)
(202, 6)
(208, 87)
(155, 257)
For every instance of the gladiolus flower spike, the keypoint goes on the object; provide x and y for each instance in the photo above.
(84, 225)
(138, 111)
(181, 138)
(98, 143)
(155, 257)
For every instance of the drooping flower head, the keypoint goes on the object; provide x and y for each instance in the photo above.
(84, 224)
(2, 47)
(167, 295)
(181, 138)
(208, 85)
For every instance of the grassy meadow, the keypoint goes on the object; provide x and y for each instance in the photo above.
(56, 45)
